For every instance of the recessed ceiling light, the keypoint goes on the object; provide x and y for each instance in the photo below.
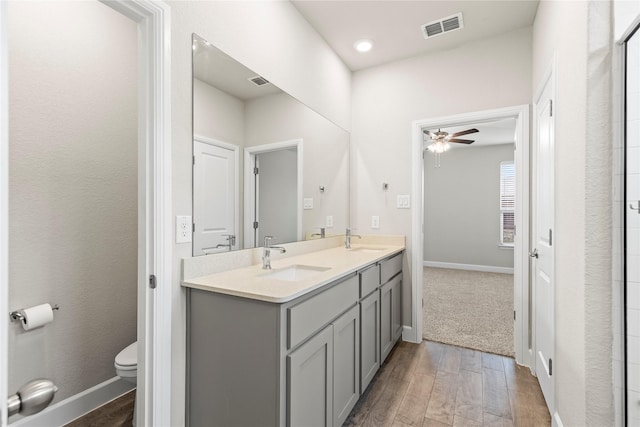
(363, 45)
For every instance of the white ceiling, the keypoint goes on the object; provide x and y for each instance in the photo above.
(219, 70)
(394, 26)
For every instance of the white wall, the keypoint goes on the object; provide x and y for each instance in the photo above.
(73, 189)
(217, 115)
(275, 41)
(583, 203)
(483, 75)
(462, 206)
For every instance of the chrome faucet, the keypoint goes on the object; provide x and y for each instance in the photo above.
(266, 252)
(231, 241)
(322, 234)
(347, 238)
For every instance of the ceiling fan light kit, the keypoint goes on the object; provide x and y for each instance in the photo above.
(440, 141)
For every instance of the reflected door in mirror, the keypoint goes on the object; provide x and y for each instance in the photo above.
(215, 191)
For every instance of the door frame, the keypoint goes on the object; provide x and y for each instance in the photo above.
(236, 163)
(155, 243)
(249, 187)
(523, 354)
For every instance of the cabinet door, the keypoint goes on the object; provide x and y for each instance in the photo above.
(396, 307)
(310, 382)
(369, 339)
(386, 328)
(346, 363)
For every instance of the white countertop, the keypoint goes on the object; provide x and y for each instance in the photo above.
(254, 282)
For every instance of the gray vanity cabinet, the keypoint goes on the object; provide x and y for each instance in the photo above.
(346, 365)
(390, 321)
(369, 338)
(304, 362)
(390, 304)
(310, 382)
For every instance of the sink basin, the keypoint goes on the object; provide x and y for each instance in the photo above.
(366, 249)
(296, 272)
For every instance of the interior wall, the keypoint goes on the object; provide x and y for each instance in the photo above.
(462, 206)
(217, 115)
(72, 189)
(583, 380)
(290, 54)
(483, 75)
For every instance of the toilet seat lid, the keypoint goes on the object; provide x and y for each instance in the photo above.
(128, 356)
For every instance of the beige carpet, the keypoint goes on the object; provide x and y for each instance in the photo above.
(469, 309)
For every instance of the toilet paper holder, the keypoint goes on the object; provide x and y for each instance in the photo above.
(18, 317)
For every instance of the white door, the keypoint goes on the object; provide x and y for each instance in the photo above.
(543, 240)
(215, 190)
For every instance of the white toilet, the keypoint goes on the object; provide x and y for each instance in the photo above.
(126, 364)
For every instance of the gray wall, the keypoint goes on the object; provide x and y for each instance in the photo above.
(72, 189)
(462, 212)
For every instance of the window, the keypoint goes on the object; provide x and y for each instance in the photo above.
(507, 203)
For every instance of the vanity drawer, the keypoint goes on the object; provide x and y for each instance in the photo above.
(369, 280)
(307, 317)
(390, 267)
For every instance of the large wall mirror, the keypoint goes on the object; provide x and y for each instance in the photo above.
(264, 164)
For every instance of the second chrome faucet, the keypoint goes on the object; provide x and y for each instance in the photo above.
(266, 252)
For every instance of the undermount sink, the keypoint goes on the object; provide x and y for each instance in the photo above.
(296, 272)
(366, 249)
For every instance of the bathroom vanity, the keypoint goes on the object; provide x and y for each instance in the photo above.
(296, 345)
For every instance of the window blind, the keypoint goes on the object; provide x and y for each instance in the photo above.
(507, 202)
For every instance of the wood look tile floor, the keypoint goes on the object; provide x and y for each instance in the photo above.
(117, 413)
(432, 384)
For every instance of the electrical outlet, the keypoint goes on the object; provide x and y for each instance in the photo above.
(183, 228)
(329, 220)
(375, 222)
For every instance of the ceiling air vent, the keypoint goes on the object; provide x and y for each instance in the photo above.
(441, 26)
(258, 80)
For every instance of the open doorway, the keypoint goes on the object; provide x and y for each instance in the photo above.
(520, 308)
(469, 224)
(273, 193)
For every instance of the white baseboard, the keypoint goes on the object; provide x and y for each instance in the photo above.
(409, 335)
(76, 406)
(556, 422)
(472, 267)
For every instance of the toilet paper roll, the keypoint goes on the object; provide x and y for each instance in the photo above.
(35, 317)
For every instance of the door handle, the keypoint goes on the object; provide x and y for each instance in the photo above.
(32, 397)
(637, 208)
(534, 253)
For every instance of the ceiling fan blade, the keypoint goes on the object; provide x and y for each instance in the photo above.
(464, 132)
(461, 141)
(430, 134)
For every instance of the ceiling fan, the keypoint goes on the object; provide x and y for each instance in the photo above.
(440, 141)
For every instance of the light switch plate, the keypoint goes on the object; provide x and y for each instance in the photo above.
(307, 203)
(183, 228)
(329, 221)
(403, 201)
(375, 222)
